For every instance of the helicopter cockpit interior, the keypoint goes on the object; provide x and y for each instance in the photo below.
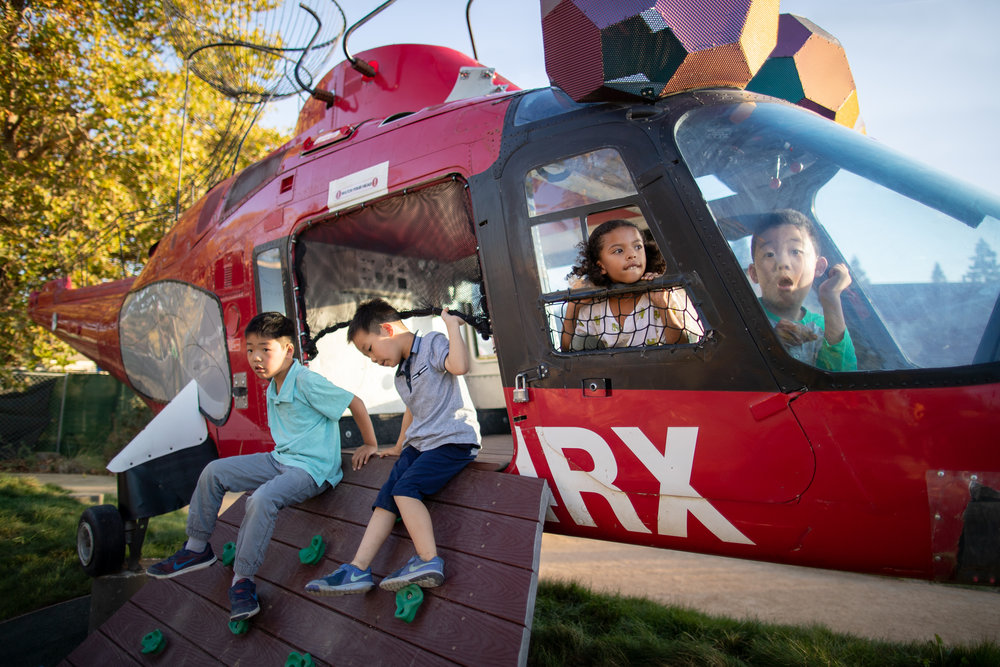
(920, 247)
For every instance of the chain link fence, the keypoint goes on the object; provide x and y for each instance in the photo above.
(67, 414)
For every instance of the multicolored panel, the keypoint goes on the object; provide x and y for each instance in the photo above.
(809, 67)
(639, 48)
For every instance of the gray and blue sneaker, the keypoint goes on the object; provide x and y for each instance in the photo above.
(345, 579)
(423, 573)
(243, 601)
(181, 562)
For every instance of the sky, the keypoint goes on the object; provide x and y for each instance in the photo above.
(925, 70)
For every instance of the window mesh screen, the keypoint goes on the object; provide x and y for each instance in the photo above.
(623, 316)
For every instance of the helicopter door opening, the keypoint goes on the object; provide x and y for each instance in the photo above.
(416, 250)
(623, 412)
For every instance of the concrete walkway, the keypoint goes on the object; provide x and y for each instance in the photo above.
(857, 604)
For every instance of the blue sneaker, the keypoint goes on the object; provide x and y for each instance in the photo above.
(243, 600)
(345, 579)
(181, 562)
(423, 573)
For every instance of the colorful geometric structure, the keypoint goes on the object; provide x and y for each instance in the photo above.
(647, 48)
(809, 67)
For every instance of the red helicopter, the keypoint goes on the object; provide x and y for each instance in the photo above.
(421, 176)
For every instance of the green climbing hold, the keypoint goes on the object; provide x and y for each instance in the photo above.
(228, 553)
(296, 660)
(408, 600)
(154, 642)
(239, 627)
(313, 553)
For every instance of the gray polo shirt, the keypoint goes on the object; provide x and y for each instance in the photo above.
(439, 401)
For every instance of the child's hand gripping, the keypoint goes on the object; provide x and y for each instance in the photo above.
(839, 278)
(829, 297)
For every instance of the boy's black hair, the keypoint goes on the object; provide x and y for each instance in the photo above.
(370, 316)
(271, 326)
(785, 216)
(590, 252)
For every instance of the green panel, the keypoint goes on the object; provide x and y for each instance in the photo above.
(778, 78)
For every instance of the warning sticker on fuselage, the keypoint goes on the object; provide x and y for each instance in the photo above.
(358, 187)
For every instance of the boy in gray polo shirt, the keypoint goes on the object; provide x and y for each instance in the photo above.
(442, 432)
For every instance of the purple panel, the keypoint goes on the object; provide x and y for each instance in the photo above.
(604, 13)
(792, 34)
(572, 51)
(702, 24)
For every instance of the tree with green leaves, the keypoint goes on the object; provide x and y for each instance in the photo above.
(91, 114)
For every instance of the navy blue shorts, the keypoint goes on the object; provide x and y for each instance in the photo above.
(418, 474)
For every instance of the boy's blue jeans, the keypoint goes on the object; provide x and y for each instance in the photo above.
(274, 486)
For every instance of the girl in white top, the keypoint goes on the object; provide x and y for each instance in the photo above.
(617, 253)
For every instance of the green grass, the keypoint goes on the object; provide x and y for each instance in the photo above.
(572, 626)
(38, 562)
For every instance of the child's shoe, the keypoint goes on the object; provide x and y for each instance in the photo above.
(423, 573)
(181, 562)
(345, 579)
(243, 600)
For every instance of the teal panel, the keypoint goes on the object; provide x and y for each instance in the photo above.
(778, 78)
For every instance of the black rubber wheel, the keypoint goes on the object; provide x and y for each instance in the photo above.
(100, 540)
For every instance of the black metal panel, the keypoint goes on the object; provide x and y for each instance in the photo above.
(164, 484)
(743, 352)
(727, 360)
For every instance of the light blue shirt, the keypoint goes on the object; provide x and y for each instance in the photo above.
(304, 418)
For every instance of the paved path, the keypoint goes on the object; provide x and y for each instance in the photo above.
(862, 605)
(858, 604)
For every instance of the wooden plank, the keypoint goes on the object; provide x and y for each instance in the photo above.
(493, 536)
(200, 613)
(488, 529)
(288, 612)
(488, 585)
(440, 627)
(130, 624)
(98, 650)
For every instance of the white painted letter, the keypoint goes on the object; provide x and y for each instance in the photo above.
(600, 480)
(677, 496)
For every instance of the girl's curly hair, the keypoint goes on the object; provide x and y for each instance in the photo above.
(590, 251)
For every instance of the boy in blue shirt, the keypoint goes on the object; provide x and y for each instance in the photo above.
(786, 261)
(442, 432)
(303, 413)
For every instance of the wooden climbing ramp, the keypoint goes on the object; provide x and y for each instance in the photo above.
(488, 526)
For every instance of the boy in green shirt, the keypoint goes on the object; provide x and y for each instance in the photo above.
(786, 261)
(303, 414)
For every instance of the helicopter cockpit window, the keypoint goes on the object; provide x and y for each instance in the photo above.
(543, 103)
(270, 284)
(919, 247)
(640, 303)
(172, 333)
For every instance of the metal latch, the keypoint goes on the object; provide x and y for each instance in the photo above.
(522, 379)
(240, 400)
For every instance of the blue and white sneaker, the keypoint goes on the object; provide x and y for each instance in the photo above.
(345, 579)
(181, 562)
(243, 601)
(423, 573)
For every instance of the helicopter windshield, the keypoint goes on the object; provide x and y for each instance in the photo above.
(920, 247)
